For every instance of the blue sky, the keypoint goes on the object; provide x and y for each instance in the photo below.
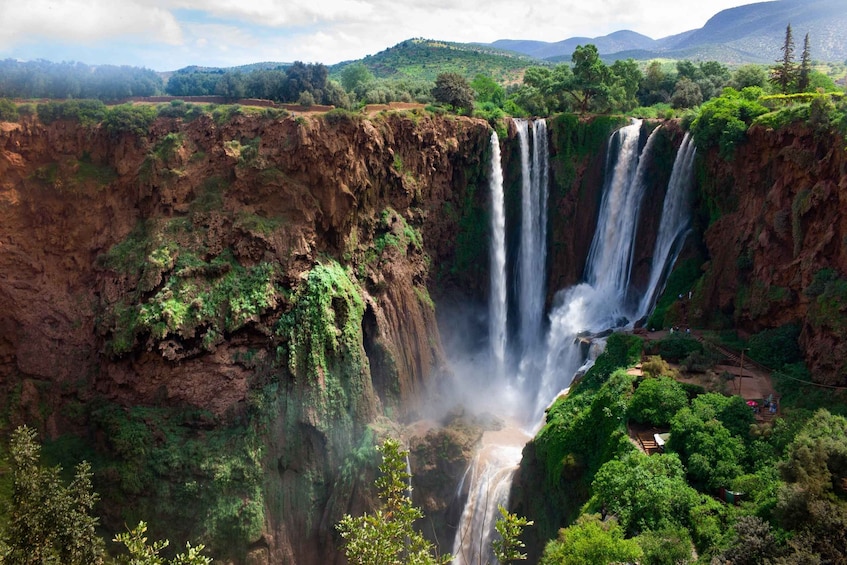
(169, 34)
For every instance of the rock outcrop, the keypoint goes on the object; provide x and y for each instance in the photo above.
(777, 241)
(256, 286)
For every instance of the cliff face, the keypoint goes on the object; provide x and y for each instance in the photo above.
(778, 241)
(256, 286)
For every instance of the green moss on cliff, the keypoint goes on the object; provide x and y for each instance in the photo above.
(191, 475)
(323, 343)
(179, 293)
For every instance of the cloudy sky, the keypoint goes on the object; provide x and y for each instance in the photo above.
(168, 34)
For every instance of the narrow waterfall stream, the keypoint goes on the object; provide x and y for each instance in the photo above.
(676, 219)
(497, 300)
(532, 255)
(598, 304)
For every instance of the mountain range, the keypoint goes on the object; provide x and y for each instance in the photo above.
(752, 33)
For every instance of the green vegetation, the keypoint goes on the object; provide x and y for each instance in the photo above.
(142, 553)
(723, 121)
(453, 89)
(423, 59)
(589, 541)
(201, 476)
(660, 505)
(48, 521)
(507, 548)
(51, 522)
(682, 279)
(44, 79)
(656, 400)
(388, 535)
(8, 111)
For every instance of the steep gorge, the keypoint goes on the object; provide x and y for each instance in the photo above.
(227, 312)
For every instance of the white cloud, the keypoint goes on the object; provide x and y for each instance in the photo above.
(225, 32)
(85, 21)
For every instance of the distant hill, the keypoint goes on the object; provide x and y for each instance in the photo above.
(746, 34)
(425, 59)
(618, 41)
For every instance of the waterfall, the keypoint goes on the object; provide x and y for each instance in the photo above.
(600, 302)
(490, 481)
(533, 240)
(673, 228)
(497, 299)
(597, 304)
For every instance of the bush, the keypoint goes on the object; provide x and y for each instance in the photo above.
(8, 111)
(656, 401)
(591, 540)
(777, 347)
(130, 118)
(676, 347)
(86, 112)
(723, 121)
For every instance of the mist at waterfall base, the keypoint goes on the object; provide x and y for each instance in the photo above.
(516, 375)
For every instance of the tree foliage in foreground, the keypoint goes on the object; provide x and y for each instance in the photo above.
(49, 522)
(53, 523)
(453, 89)
(387, 536)
(590, 541)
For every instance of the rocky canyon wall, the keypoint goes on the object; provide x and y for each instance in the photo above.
(227, 310)
(775, 219)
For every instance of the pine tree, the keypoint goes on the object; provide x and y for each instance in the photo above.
(804, 74)
(785, 73)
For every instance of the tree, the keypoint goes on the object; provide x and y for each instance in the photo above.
(231, 86)
(656, 400)
(626, 77)
(355, 75)
(686, 94)
(589, 86)
(803, 74)
(784, 74)
(487, 90)
(644, 492)
(142, 553)
(510, 526)
(749, 75)
(302, 77)
(590, 541)
(49, 522)
(453, 89)
(388, 537)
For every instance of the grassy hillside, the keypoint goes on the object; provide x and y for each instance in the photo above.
(425, 59)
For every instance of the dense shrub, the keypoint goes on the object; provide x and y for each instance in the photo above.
(86, 112)
(776, 347)
(676, 347)
(130, 118)
(656, 401)
(8, 111)
(723, 121)
(709, 436)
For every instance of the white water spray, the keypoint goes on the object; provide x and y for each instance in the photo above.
(533, 246)
(676, 219)
(497, 299)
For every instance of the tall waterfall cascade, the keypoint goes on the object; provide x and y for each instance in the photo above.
(532, 255)
(676, 220)
(497, 300)
(599, 303)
